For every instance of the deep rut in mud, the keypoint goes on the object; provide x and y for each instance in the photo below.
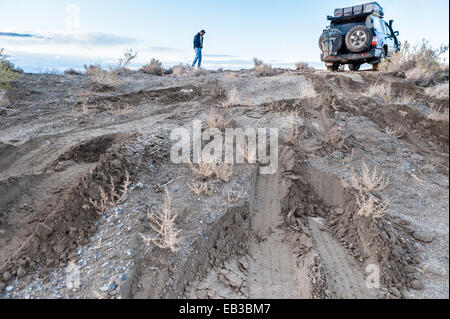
(272, 267)
(344, 276)
(273, 270)
(269, 269)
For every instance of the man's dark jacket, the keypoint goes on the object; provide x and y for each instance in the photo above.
(197, 41)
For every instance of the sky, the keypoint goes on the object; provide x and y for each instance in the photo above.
(57, 34)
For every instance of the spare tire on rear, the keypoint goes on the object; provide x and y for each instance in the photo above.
(327, 39)
(358, 39)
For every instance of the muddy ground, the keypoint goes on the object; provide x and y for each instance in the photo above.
(293, 234)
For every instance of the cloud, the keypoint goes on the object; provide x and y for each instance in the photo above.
(76, 38)
(91, 38)
(16, 35)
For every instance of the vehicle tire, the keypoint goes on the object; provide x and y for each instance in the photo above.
(375, 66)
(333, 68)
(358, 39)
(354, 67)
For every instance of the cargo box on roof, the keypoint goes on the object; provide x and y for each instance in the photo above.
(339, 12)
(368, 8)
(358, 9)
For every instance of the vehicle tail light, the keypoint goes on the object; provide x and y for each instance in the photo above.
(374, 41)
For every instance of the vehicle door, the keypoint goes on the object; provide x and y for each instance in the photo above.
(389, 39)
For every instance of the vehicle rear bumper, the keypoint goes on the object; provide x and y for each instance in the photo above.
(364, 57)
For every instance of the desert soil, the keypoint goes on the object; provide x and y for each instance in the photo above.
(293, 234)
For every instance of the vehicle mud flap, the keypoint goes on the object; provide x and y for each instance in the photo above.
(337, 45)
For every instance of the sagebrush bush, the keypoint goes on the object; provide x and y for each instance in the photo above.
(421, 63)
(307, 91)
(217, 119)
(154, 67)
(72, 71)
(382, 90)
(438, 115)
(303, 66)
(181, 70)
(124, 61)
(257, 62)
(101, 77)
(233, 98)
(262, 69)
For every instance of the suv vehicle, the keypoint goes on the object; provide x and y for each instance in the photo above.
(358, 35)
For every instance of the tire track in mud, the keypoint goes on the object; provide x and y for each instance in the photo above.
(343, 274)
(270, 269)
(273, 272)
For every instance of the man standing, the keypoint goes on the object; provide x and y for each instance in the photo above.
(198, 46)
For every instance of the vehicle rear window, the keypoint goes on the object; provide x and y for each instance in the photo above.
(345, 27)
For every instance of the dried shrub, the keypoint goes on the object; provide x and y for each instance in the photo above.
(368, 181)
(262, 69)
(113, 197)
(154, 67)
(381, 90)
(72, 71)
(438, 115)
(201, 188)
(365, 185)
(224, 171)
(257, 62)
(395, 132)
(421, 63)
(124, 61)
(163, 223)
(303, 66)
(368, 206)
(101, 77)
(182, 70)
(233, 98)
(203, 169)
(221, 170)
(217, 119)
(199, 72)
(307, 91)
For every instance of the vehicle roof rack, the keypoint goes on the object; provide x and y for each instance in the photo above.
(350, 17)
(358, 11)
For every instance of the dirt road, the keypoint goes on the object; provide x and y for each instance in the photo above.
(303, 236)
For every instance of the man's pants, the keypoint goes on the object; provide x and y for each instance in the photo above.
(198, 57)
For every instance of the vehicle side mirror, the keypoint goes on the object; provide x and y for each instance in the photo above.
(391, 22)
(396, 33)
